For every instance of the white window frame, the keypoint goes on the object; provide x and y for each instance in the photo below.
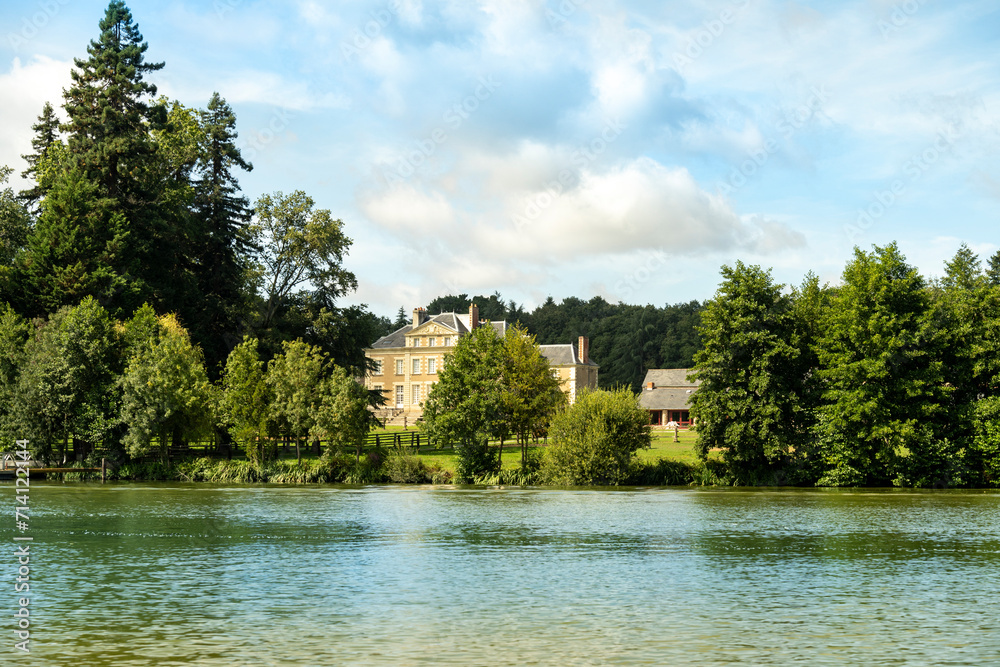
(432, 366)
(400, 396)
(400, 368)
(378, 367)
(432, 341)
(416, 394)
(415, 370)
(447, 341)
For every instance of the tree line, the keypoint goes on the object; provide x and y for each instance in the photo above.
(885, 379)
(84, 384)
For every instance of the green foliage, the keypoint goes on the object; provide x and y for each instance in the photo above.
(76, 248)
(403, 468)
(15, 224)
(222, 244)
(296, 378)
(530, 395)
(464, 409)
(753, 402)
(166, 394)
(883, 389)
(341, 415)
(246, 401)
(66, 387)
(594, 440)
(985, 446)
(298, 245)
(46, 135)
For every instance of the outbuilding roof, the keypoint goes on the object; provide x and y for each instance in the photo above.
(671, 389)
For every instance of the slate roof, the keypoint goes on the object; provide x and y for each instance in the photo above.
(672, 389)
(452, 321)
(669, 377)
(563, 355)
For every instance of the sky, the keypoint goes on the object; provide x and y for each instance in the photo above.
(578, 148)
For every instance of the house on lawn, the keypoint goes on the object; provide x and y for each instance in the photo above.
(408, 360)
(665, 394)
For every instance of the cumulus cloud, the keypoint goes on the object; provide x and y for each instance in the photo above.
(640, 204)
(24, 89)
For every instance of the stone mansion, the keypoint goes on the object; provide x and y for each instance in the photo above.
(408, 360)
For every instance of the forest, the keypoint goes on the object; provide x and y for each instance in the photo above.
(886, 378)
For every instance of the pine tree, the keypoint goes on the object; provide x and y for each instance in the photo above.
(74, 251)
(222, 245)
(993, 270)
(46, 134)
(109, 142)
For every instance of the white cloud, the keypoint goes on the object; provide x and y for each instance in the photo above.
(408, 212)
(638, 205)
(24, 89)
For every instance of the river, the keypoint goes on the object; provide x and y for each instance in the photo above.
(172, 574)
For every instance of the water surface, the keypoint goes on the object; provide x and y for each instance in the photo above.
(196, 574)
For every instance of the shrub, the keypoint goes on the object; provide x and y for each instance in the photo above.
(406, 469)
(594, 440)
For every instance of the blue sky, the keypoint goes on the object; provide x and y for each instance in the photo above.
(579, 147)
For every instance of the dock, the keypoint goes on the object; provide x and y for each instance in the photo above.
(8, 474)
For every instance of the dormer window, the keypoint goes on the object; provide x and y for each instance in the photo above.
(431, 342)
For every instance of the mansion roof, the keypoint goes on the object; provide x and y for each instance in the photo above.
(451, 321)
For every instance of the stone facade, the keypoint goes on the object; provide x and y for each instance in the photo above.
(408, 360)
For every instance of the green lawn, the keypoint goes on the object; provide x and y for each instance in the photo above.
(663, 447)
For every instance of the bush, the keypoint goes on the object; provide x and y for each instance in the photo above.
(475, 459)
(406, 469)
(662, 472)
(594, 440)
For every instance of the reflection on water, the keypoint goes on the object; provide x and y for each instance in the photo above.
(185, 574)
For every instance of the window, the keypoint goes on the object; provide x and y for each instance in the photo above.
(378, 388)
(432, 365)
(416, 394)
(416, 342)
(399, 395)
(431, 342)
(399, 366)
(555, 373)
(416, 367)
(378, 368)
(447, 341)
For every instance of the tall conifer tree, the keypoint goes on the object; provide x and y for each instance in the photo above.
(46, 134)
(222, 244)
(111, 115)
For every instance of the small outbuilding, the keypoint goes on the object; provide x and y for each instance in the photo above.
(665, 395)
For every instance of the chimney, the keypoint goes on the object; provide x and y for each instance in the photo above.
(473, 316)
(584, 349)
(650, 385)
(418, 317)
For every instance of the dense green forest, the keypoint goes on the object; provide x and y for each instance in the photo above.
(886, 378)
(625, 340)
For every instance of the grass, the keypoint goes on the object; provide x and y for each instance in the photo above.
(663, 447)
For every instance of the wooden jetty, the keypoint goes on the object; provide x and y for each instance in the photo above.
(10, 473)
